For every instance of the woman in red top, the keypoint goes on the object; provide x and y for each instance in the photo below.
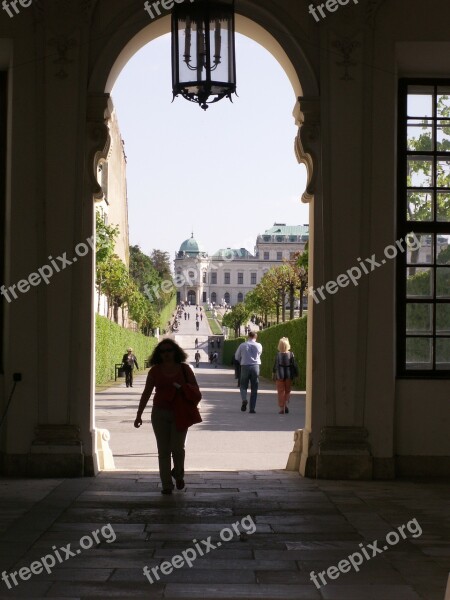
(167, 375)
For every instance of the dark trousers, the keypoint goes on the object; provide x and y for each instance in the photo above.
(170, 441)
(128, 375)
(249, 374)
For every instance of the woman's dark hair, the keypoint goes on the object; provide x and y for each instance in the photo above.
(179, 354)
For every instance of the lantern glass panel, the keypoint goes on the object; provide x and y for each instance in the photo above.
(203, 52)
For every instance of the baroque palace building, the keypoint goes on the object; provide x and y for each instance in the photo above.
(230, 273)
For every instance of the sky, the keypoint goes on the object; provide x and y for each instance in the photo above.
(226, 174)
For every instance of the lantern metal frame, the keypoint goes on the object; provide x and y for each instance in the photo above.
(204, 12)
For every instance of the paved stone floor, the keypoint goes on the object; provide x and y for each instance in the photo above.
(301, 525)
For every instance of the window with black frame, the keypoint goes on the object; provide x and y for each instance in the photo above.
(3, 141)
(423, 294)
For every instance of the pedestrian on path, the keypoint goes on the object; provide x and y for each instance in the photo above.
(249, 357)
(128, 362)
(196, 342)
(215, 358)
(197, 325)
(174, 409)
(197, 359)
(285, 369)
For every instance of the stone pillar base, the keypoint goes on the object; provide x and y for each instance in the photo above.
(56, 451)
(344, 453)
(104, 454)
(293, 463)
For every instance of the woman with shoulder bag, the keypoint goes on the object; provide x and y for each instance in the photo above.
(285, 370)
(174, 409)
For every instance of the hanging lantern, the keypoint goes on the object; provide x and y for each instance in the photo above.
(203, 51)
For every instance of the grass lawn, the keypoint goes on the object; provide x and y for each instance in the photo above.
(213, 323)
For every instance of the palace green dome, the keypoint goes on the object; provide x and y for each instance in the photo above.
(191, 246)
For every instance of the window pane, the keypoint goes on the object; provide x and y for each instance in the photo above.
(419, 172)
(420, 206)
(419, 283)
(443, 354)
(443, 282)
(420, 101)
(419, 318)
(442, 319)
(443, 172)
(419, 353)
(443, 102)
(443, 136)
(443, 250)
(420, 136)
(443, 206)
(420, 249)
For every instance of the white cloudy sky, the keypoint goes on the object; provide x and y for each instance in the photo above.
(228, 173)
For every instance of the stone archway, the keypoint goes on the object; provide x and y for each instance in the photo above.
(270, 31)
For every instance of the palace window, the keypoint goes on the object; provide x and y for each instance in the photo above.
(227, 278)
(423, 288)
(214, 278)
(240, 279)
(253, 278)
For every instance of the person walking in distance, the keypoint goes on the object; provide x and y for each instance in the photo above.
(285, 369)
(197, 325)
(197, 359)
(196, 342)
(174, 409)
(128, 362)
(215, 359)
(249, 357)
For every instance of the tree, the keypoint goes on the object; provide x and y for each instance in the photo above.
(116, 283)
(300, 262)
(105, 241)
(236, 317)
(161, 262)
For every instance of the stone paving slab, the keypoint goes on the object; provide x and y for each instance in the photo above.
(267, 564)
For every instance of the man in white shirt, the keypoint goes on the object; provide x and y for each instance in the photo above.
(248, 355)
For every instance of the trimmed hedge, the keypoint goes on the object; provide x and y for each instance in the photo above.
(112, 342)
(294, 330)
(166, 313)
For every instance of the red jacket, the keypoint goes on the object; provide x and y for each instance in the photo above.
(186, 400)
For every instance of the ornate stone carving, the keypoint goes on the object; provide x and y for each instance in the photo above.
(98, 137)
(346, 49)
(60, 20)
(62, 45)
(307, 142)
(372, 7)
